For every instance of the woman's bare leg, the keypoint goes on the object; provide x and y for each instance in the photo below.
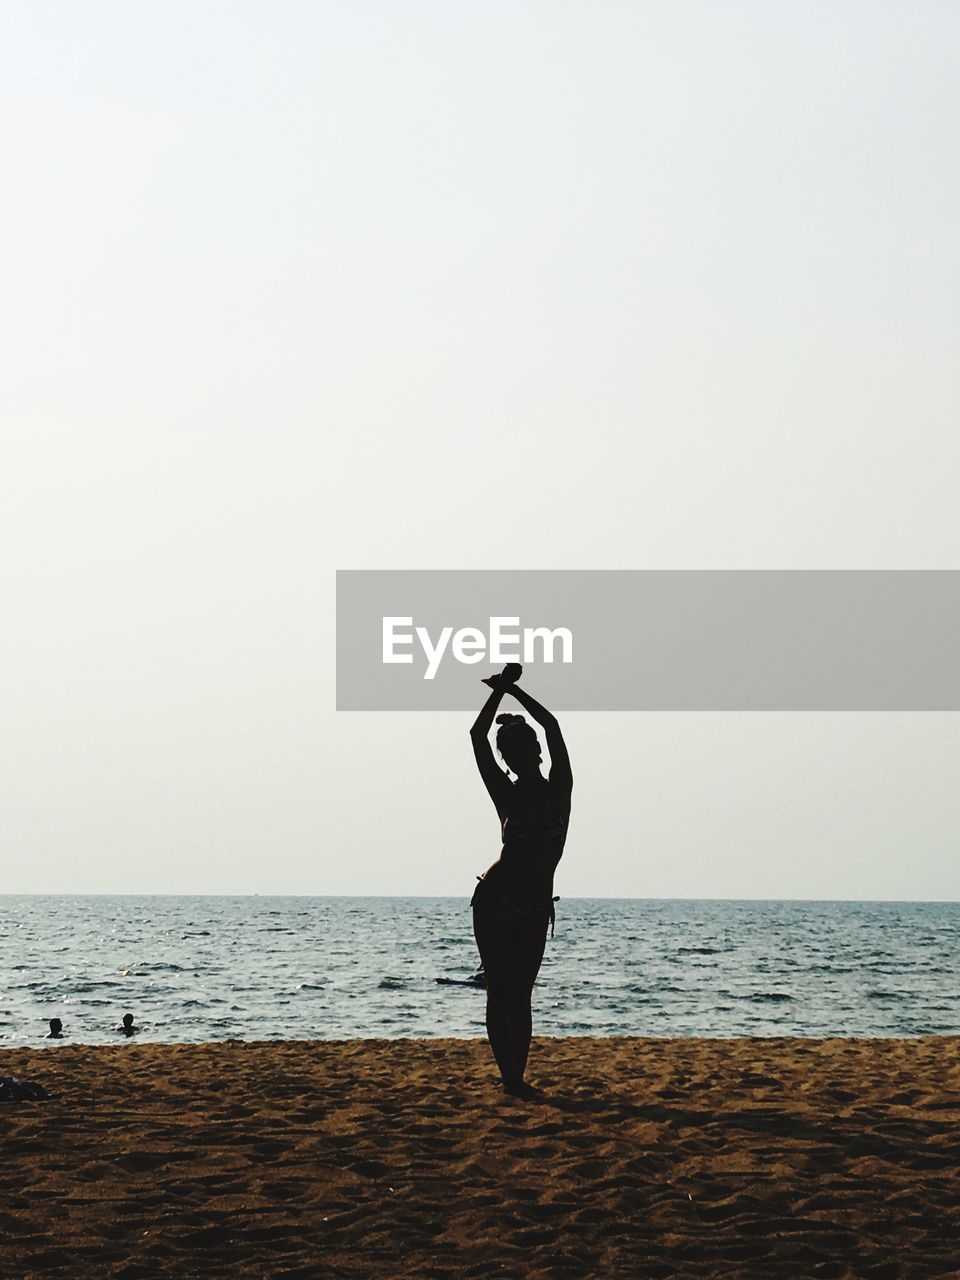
(532, 941)
(494, 945)
(521, 1030)
(500, 1033)
(511, 952)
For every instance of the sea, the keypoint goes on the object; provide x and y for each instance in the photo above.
(266, 968)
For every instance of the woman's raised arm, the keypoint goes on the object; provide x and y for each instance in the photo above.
(560, 771)
(494, 779)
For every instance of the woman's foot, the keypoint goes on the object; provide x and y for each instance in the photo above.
(520, 1089)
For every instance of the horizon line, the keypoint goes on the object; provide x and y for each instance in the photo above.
(49, 893)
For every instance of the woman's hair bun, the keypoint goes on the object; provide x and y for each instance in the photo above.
(508, 717)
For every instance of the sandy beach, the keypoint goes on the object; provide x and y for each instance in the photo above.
(656, 1158)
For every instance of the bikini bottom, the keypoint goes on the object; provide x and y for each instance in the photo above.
(517, 911)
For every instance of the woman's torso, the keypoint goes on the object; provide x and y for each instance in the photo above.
(534, 830)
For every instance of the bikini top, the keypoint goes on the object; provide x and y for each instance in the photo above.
(551, 825)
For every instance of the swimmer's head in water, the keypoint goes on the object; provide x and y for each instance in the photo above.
(518, 744)
(128, 1019)
(56, 1026)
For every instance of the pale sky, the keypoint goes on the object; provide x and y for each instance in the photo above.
(293, 287)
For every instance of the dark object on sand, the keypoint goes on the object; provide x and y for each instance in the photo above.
(12, 1090)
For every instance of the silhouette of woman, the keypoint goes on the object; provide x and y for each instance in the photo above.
(513, 903)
